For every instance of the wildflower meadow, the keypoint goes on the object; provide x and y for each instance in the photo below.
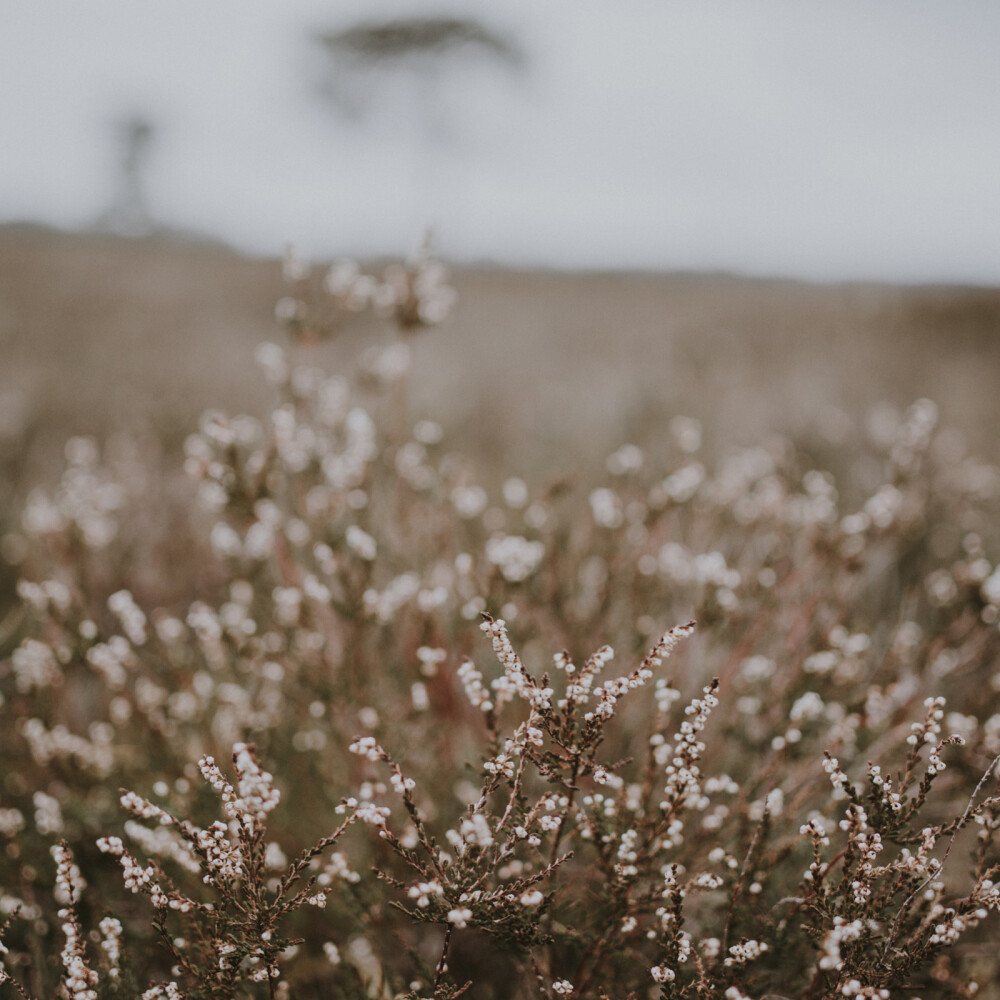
(336, 710)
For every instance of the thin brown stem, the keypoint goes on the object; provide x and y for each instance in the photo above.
(442, 966)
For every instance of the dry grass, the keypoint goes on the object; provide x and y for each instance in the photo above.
(543, 822)
(97, 333)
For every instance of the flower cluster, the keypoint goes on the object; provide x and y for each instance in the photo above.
(574, 800)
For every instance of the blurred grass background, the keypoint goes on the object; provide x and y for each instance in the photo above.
(536, 370)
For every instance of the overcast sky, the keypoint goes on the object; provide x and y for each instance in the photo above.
(811, 139)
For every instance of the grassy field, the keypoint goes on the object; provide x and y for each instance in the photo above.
(99, 333)
(317, 701)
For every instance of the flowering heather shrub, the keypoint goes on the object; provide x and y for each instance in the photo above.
(435, 776)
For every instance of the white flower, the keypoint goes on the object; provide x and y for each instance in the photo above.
(460, 917)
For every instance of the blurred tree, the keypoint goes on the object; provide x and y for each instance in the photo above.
(128, 214)
(421, 48)
(423, 84)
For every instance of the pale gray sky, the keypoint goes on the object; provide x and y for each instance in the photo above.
(803, 138)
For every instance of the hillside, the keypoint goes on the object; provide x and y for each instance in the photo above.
(98, 333)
